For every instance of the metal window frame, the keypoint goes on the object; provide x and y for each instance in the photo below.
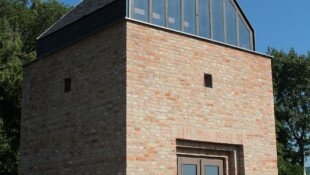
(224, 20)
(197, 16)
(166, 13)
(130, 7)
(127, 7)
(237, 25)
(182, 14)
(150, 6)
(211, 18)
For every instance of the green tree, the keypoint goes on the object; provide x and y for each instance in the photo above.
(291, 77)
(10, 94)
(21, 21)
(7, 153)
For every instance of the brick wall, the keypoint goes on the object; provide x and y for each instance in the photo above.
(166, 100)
(136, 89)
(82, 131)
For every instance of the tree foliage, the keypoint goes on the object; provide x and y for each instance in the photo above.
(291, 77)
(21, 22)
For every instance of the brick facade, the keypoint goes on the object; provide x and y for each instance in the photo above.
(82, 131)
(167, 100)
(136, 89)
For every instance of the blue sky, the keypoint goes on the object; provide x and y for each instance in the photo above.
(282, 24)
(279, 23)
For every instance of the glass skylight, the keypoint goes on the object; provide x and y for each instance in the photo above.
(219, 20)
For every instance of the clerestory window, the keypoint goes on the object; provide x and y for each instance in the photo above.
(220, 20)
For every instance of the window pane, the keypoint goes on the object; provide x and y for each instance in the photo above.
(211, 170)
(218, 21)
(174, 17)
(188, 169)
(189, 22)
(158, 12)
(204, 18)
(140, 10)
(231, 26)
(244, 35)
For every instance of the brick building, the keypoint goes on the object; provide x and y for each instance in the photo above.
(149, 87)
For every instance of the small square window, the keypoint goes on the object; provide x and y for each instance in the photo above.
(67, 87)
(208, 81)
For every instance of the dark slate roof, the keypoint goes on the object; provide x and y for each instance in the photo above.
(83, 9)
(70, 30)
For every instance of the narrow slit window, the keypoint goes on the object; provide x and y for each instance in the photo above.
(67, 87)
(208, 81)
